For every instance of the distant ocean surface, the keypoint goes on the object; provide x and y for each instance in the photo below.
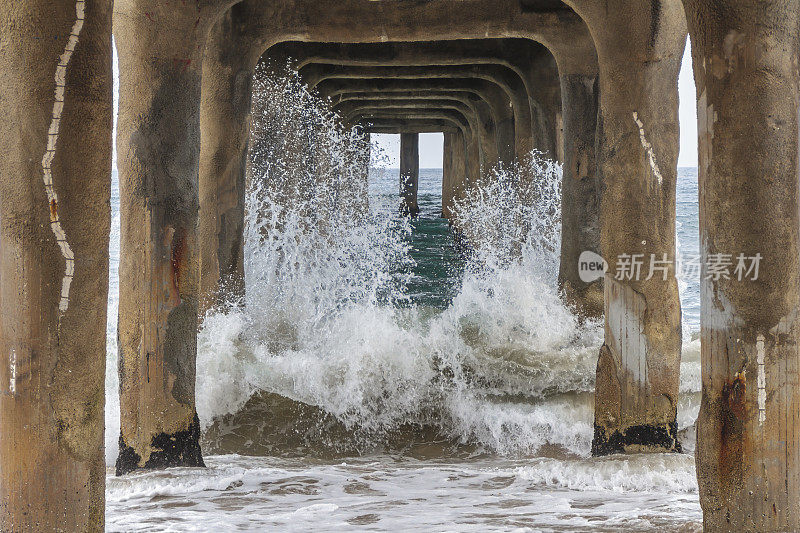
(464, 405)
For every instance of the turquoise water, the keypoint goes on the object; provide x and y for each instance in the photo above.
(437, 265)
(439, 268)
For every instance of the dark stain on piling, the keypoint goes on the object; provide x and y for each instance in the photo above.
(655, 14)
(646, 435)
(181, 448)
(179, 355)
(177, 260)
(734, 410)
(733, 394)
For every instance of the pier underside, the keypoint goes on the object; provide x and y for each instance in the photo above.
(591, 85)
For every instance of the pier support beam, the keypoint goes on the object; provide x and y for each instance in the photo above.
(639, 53)
(454, 172)
(748, 440)
(55, 180)
(160, 57)
(541, 78)
(580, 192)
(409, 174)
(225, 122)
(447, 175)
(459, 177)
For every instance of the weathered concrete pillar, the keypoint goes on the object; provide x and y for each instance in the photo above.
(447, 174)
(160, 57)
(580, 192)
(409, 173)
(489, 137)
(748, 439)
(228, 64)
(459, 174)
(545, 96)
(473, 166)
(55, 179)
(454, 172)
(575, 55)
(639, 53)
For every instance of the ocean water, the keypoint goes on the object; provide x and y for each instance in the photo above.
(403, 387)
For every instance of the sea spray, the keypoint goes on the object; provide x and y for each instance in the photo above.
(506, 367)
(515, 206)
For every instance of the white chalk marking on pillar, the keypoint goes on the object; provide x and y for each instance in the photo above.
(648, 148)
(762, 381)
(12, 385)
(49, 155)
(624, 322)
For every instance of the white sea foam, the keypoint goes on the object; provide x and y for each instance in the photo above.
(636, 473)
(640, 493)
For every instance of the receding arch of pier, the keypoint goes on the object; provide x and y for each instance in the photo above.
(178, 34)
(503, 145)
(483, 145)
(359, 114)
(530, 61)
(465, 89)
(491, 18)
(478, 120)
(454, 163)
(252, 27)
(503, 77)
(473, 152)
(466, 116)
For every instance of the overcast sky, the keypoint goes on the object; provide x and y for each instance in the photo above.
(430, 144)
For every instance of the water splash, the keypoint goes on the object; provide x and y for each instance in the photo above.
(506, 367)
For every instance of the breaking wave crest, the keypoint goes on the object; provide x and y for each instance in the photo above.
(327, 354)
